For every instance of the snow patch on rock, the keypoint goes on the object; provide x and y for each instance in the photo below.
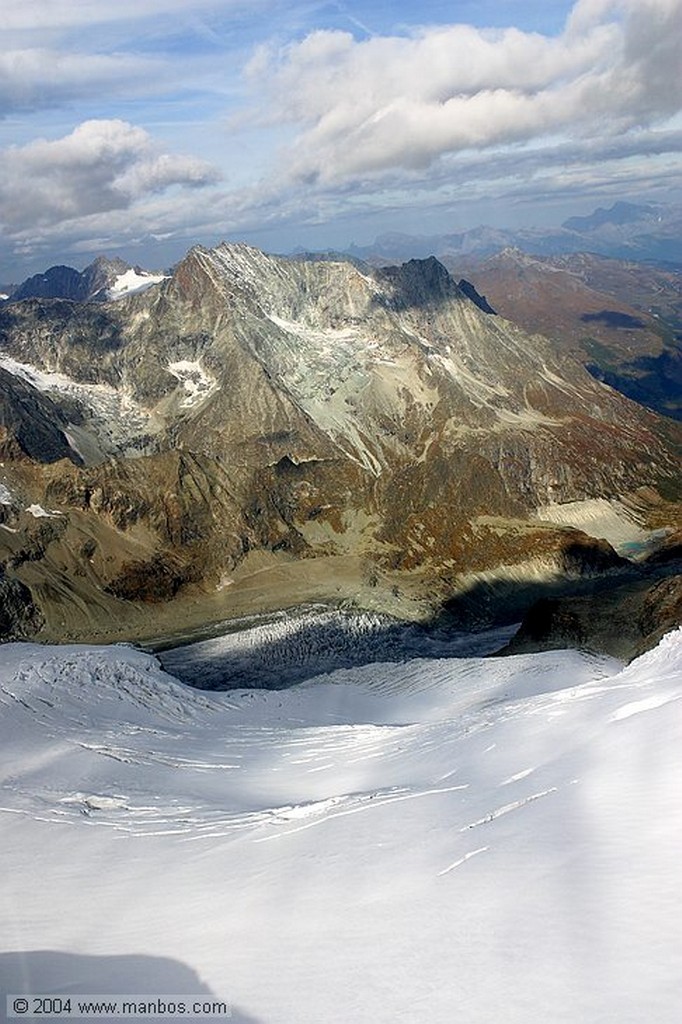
(133, 281)
(38, 512)
(197, 383)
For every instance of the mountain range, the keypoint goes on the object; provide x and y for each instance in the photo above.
(254, 432)
(629, 231)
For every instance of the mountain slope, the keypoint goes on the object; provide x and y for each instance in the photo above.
(622, 320)
(253, 411)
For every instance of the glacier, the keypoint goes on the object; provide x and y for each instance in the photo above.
(427, 839)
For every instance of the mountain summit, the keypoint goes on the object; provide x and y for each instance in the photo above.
(102, 280)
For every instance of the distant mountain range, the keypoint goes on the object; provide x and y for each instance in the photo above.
(629, 231)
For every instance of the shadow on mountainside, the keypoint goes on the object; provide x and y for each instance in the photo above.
(291, 647)
(653, 381)
(623, 622)
(139, 977)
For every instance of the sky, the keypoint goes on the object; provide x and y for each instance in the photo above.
(141, 127)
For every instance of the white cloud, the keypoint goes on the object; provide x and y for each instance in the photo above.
(95, 51)
(384, 125)
(366, 107)
(68, 14)
(100, 166)
(39, 77)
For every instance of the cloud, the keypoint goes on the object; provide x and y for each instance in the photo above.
(69, 14)
(42, 78)
(341, 130)
(101, 166)
(367, 107)
(59, 51)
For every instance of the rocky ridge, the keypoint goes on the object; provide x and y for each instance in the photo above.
(101, 281)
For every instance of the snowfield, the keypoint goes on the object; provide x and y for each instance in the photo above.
(133, 281)
(438, 840)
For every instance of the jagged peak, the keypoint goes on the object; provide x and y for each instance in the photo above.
(275, 281)
(418, 282)
(108, 263)
(478, 300)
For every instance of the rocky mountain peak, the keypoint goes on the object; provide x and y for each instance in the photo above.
(57, 282)
(100, 275)
(100, 281)
(263, 412)
(419, 283)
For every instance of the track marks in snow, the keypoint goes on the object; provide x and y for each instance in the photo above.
(356, 804)
(195, 822)
(462, 860)
(518, 776)
(508, 808)
(130, 755)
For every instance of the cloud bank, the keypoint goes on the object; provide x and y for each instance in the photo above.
(389, 103)
(101, 166)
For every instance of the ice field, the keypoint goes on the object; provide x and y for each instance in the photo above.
(429, 840)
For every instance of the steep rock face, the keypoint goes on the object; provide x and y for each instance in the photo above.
(306, 408)
(19, 616)
(31, 426)
(78, 340)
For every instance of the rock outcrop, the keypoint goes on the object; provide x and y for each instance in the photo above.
(624, 621)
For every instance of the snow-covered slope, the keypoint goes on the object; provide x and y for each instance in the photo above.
(132, 281)
(438, 840)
